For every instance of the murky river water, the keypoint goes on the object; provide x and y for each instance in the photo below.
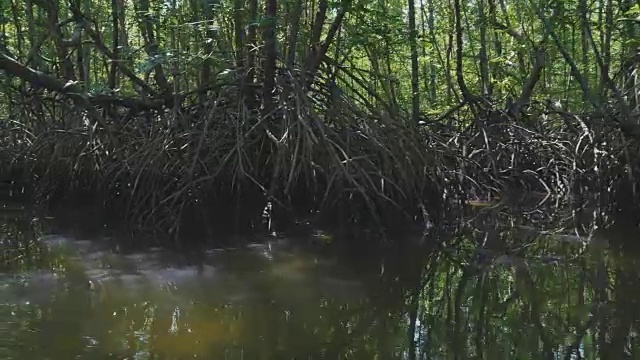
(490, 291)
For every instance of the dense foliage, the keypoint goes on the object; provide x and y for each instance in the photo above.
(360, 106)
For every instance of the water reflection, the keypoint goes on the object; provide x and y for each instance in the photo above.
(495, 287)
(506, 290)
(72, 298)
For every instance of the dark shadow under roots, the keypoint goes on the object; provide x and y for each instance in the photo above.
(220, 166)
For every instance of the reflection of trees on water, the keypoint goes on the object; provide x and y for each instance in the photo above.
(496, 288)
(507, 292)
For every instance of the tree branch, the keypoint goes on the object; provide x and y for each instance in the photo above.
(70, 88)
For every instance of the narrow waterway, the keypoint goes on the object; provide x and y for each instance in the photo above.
(495, 288)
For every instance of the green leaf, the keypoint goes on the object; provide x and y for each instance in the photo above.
(635, 9)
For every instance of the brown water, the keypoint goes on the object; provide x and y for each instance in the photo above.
(492, 291)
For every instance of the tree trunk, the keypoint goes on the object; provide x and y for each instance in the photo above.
(53, 18)
(115, 48)
(238, 25)
(485, 84)
(606, 45)
(294, 29)
(251, 41)
(466, 94)
(152, 48)
(34, 50)
(584, 37)
(270, 57)
(415, 85)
